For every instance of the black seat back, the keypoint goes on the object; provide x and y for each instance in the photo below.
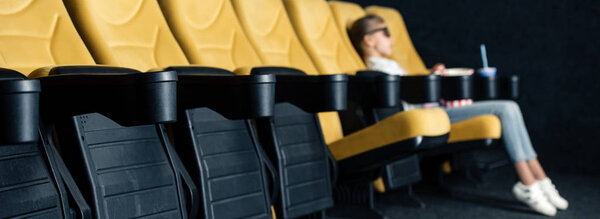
(27, 185)
(217, 141)
(293, 138)
(123, 171)
(224, 159)
(124, 164)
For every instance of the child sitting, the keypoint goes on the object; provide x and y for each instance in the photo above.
(371, 38)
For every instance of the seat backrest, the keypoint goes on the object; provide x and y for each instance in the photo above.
(37, 34)
(33, 34)
(221, 155)
(267, 25)
(27, 188)
(122, 171)
(345, 13)
(304, 182)
(130, 34)
(318, 32)
(209, 33)
(302, 160)
(403, 49)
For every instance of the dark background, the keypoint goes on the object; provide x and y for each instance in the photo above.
(552, 45)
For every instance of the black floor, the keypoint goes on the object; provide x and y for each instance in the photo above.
(493, 199)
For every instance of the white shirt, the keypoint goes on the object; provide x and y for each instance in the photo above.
(385, 65)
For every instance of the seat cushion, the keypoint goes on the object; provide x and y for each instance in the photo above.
(398, 127)
(476, 128)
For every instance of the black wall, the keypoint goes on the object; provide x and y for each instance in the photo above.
(552, 45)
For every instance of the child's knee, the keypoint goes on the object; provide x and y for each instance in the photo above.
(509, 106)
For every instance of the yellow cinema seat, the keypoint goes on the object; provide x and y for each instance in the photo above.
(363, 152)
(268, 27)
(210, 34)
(32, 184)
(113, 146)
(222, 153)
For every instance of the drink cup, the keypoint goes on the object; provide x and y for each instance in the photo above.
(487, 72)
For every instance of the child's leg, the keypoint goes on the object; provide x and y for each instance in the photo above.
(513, 127)
(514, 133)
(525, 174)
(532, 162)
(536, 169)
(542, 197)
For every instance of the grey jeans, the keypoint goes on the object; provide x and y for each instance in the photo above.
(514, 133)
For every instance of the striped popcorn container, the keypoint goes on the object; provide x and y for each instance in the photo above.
(456, 103)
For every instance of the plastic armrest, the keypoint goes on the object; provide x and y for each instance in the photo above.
(183, 177)
(509, 87)
(233, 96)
(193, 195)
(83, 209)
(457, 87)
(496, 87)
(312, 93)
(124, 95)
(421, 88)
(19, 108)
(374, 89)
(334, 168)
(275, 184)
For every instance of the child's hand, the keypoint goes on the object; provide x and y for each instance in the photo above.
(439, 69)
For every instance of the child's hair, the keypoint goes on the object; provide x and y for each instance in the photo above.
(360, 28)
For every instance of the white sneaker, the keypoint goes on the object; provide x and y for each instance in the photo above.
(533, 196)
(552, 194)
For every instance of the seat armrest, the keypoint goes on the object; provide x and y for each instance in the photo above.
(124, 95)
(421, 88)
(312, 93)
(457, 87)
(233, 96)
(496, 87)
(374, 89)
(19, 108)
(509, 87)
(83, 69)
(195, 70)
(78, 208)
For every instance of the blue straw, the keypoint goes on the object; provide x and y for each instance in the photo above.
(483, 55)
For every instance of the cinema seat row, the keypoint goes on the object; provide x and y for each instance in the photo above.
(209, 109)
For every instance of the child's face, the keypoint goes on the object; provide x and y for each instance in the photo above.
(380, 40)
